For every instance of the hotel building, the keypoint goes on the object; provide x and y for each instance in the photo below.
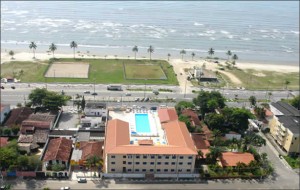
(149, 142)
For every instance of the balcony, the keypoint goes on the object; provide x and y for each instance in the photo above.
(281, 128)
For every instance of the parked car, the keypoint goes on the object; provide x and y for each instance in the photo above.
(82, 180)
(65, 188)
(94, 94)
(13, 87)
(127, 94)
(137, 99)
(146, 99)
(86, 92)
(153, 108)
(2, 87)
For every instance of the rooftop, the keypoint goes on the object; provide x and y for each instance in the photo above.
(18, 115)
(167, 114)
(95, 105)
(290, 122)
(193, 116)
(3, 141)
(285, 109)
(232, 158)
(92, 148)
(200, 141)
(58, 149)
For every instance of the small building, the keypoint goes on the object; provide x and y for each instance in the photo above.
(233, 135)
(233, 158)
(201, 143)
(31, 142)
(167, 114)
(3, 141)
(4, 111)
(195, 122)
(95, 109)
(17, 116)
(59, 151)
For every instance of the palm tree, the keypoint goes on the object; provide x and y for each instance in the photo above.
(211, 52)
(135, 50)
(214, 154)
(33, 46)
(228, 53)
(193, 55)
(200, 153)
(234, 57)
(253, 139)
(182, 52)
(150, 50)
(94, 161)
(270, 94)
(52, 48)
(11, 53)
(252, 100)
(287, 82)
(169, 55)
(73, 45)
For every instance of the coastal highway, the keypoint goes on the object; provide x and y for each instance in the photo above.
(22, 90)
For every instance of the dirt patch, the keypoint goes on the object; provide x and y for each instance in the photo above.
(232, 77)
(259, 74)
(68, 70)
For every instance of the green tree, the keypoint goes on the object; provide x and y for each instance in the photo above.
(34, 162)
(150, 50)
(37, 95)
(58, 167)
(135, 50)
(214, 154)
(228, 53)
(53, 101)
(7, 131)
(183, 105)
(8, 154)
(33, 46)
(234, 58)
(169, 55)
(182, 52)
(254, 140)
(211, 52)
(11, 53)
(15, 129)
(82, 103)
(260, 112)
(73, 45)
(200, 153)
(296, 102)
(94, 162)
(52, 48)
(252, 100)
(193, 55)
(287, 82)
(187, 122)
(215, 121)
(23, 162)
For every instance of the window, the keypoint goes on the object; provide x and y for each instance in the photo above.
(137, 163)
(145, 156)
(151, 163)
(166, 163)
(124, 162)
(63, 162)
(166, 170)
(113, 162)
(129, 156)
(188, 170)
(113, 156)
(129, 163)
(158, 163)
(173, 157)
(124, 156)
(152, 156)
(158, 170)
(159, 157)
(179, 170)
(190, 157)
(129, 170)
(167, 157)
(189, 163)
(144, 170)
(137, 170)
(137, 156)
(180, 157)
(151, 170)
(172, 170)
(295, 138)
(173, 163)
(180, 163)
(144, 163)
(292, 143)
(113, 170)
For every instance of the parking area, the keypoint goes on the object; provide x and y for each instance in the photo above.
(68, 120)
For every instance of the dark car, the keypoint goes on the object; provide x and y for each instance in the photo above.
(94, 94)
(13, 87)
(2, 87)
(146, 99)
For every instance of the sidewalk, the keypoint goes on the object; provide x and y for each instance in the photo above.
(88, 175)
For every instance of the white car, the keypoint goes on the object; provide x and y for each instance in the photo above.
(65, 188)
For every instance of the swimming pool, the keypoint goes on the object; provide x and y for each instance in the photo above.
(142, 123)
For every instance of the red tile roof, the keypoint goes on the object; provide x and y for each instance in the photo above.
(192, 115)
(167, 114)
(232, 158)
(3, 141)
(200, 141)
(18, 115)
(145, 142)
(93, 148)
(117, 140)
(268, 113)
(58, 149)
(206, 131)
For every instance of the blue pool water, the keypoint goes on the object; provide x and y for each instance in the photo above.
(142, 123)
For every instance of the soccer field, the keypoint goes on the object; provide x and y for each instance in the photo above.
(144, 71)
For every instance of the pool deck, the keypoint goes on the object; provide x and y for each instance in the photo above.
(157, 134)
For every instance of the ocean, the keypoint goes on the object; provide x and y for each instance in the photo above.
(257, 31)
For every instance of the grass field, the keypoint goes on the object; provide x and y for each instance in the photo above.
(101, 71)
(144, 71)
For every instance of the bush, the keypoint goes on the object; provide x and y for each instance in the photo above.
(266, 130)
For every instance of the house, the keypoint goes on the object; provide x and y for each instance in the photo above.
(167, 114)
(4, 111)
(167, 147)
(95, 109)
(58, 152)
(17, 116)
(201, 143)
(85, 150)
(195, 122)
(233, 158)
(3, 141)
(285, 126)
(232, 135)
(31, 142)
(38, 121)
